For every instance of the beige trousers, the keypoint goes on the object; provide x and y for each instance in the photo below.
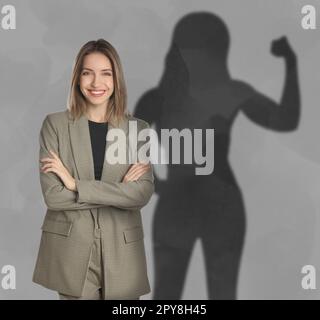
(92, 288)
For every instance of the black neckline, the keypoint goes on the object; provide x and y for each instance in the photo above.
(98, 123)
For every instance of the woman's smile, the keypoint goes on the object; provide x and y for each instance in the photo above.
(96, 93)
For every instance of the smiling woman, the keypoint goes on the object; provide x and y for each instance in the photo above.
(92, 235)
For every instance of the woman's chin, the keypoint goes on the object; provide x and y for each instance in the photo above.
(97, 101)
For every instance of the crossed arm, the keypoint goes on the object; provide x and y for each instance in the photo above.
(90, 194)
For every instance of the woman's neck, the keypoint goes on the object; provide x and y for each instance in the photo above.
(96, 113)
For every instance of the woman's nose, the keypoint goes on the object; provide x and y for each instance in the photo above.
(95, 81)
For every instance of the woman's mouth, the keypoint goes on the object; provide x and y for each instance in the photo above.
(96, 93)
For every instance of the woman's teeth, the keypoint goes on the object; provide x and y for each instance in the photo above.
(97, 93)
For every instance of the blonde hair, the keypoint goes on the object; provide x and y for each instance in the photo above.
(117, 105)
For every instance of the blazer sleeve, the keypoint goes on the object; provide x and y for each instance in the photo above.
(56, 196)
(132, 195)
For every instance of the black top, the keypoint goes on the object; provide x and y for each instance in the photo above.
(98, 133)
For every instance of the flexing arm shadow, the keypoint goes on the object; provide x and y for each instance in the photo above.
(266, 112)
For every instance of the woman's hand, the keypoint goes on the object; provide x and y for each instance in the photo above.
(55, 165)
(136, 171)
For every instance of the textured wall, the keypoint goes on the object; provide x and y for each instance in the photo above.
(278, 172)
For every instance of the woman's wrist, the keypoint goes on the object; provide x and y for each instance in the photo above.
(72, 185)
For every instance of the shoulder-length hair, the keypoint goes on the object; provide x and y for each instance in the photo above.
(117, 105)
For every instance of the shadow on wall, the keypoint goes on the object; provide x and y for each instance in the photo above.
(196, 91)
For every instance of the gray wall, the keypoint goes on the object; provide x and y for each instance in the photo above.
(278, 173)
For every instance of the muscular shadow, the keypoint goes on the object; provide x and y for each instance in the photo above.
(196, 91)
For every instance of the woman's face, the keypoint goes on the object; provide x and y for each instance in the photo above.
(96, 79)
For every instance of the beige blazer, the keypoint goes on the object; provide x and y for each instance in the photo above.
(68, 228)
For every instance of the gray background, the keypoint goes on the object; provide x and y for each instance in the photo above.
(279, 173)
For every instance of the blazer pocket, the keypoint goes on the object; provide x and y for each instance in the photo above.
(133, 234)
(58, 227)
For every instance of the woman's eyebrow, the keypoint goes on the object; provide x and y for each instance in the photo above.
(93, 70)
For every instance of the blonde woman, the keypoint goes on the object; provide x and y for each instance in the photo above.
(92, 236)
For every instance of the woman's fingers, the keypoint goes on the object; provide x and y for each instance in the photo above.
(133, 169)
(54, 155)
(137, 173)
(47, 160)
(50, 169)
(54, 158)
(136, 167)
(54, 161)
(48, 165)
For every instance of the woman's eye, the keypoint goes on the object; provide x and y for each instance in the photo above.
(105, 74)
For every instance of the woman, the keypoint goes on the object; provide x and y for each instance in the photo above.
(92, 236)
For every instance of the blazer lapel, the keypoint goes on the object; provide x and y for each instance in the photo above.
(81, 148)
(82, 151)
